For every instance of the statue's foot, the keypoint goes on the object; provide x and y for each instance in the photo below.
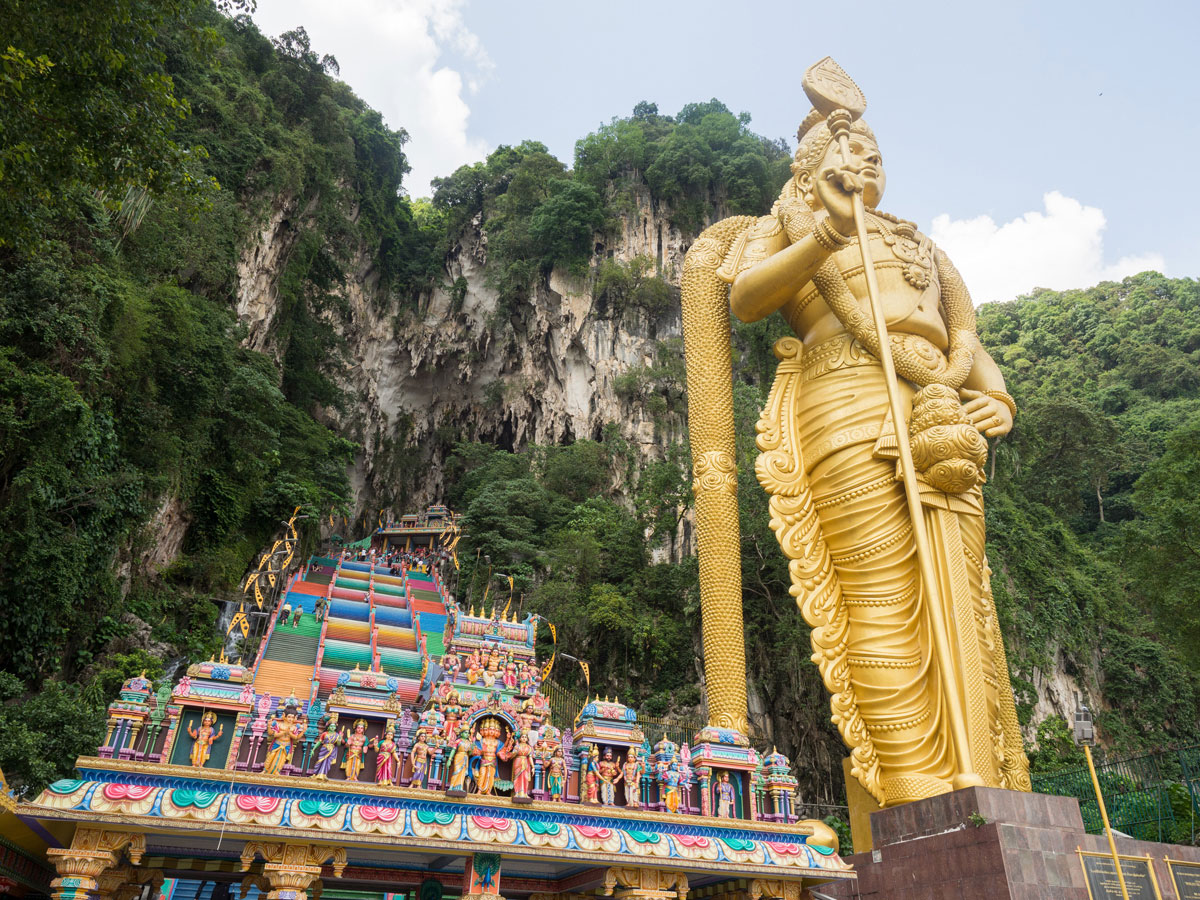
(968, 779)
(900, 789)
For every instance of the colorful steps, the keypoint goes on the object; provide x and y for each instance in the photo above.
(400, 638)
(347, 654)
(393, 616)
(308, 588)
(372, 615)
(349, 609)
(348, 630)
(295, 645)
(281, 679)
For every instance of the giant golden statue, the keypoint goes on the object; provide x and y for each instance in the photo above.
(873, 463)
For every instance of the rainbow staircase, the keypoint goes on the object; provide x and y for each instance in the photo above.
(374, 622)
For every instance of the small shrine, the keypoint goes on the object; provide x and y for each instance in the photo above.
(381, 728)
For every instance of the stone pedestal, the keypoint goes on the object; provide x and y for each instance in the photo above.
(987, 844)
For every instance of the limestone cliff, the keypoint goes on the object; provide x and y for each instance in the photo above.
(457, 367)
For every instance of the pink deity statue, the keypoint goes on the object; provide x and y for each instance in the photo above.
(387, 760)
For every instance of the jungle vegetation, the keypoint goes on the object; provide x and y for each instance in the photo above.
(135, 163)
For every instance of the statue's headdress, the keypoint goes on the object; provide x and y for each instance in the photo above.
(814, 138)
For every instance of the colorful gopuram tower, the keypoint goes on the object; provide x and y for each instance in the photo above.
(384, 741)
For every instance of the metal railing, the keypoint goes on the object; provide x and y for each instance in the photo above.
(1152, 796)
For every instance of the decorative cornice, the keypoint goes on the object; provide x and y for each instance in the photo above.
(292, 787)
(250, 832)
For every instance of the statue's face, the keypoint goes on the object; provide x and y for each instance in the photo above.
(866, 159)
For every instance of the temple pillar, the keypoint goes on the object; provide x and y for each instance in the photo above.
(481, 877)
(627, 883)
(290, 869)
(78, 872)
(92, 853)
(777, 889)
(290, 882)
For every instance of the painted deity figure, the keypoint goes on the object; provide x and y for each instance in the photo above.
(526, 715)
(453, 712)
(726, 797)
(356, 746)
(916, 665)
(632, 772)
(589, 775)
(204, 737)
(492, 669)
(670, 779)
(327, 752)
(610, 775)
(284, 732)
(487, 749)
(556, 774)
(522, 767)
(474, 667)
(460, 760)
(387, 757)
(526, 680)
(420, 760)
(510, 673)
(450, 665)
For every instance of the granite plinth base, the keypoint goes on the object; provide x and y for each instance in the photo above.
(988, 844)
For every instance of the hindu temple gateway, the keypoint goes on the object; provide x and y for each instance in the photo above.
(385, 741)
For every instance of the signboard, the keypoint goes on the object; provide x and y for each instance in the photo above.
(1186, 877)
(1100, 874)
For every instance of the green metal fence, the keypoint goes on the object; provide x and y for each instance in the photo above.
(1152, 797)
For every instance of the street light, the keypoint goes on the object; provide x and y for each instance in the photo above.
(1085, 736)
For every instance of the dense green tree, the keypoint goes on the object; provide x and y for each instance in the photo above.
(1162, 546)
(87, 104)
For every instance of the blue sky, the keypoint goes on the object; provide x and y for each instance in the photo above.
(1043, 144)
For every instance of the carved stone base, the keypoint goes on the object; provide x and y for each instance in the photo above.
(986, 844)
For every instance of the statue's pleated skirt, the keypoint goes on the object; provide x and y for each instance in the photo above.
(842, 408)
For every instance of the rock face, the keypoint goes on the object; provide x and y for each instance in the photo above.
(460, 365)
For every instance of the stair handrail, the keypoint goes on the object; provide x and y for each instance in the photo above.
(262, 647)
(325, 624)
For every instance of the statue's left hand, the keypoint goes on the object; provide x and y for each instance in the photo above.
(989, 415)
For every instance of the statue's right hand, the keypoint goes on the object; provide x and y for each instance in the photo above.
(836, 188)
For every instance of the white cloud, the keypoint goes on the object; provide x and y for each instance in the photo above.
(391, 53)
(1059, 248)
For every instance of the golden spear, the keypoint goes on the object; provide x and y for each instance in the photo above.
(840, 100)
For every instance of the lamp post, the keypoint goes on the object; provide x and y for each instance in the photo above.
(1084, 736)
